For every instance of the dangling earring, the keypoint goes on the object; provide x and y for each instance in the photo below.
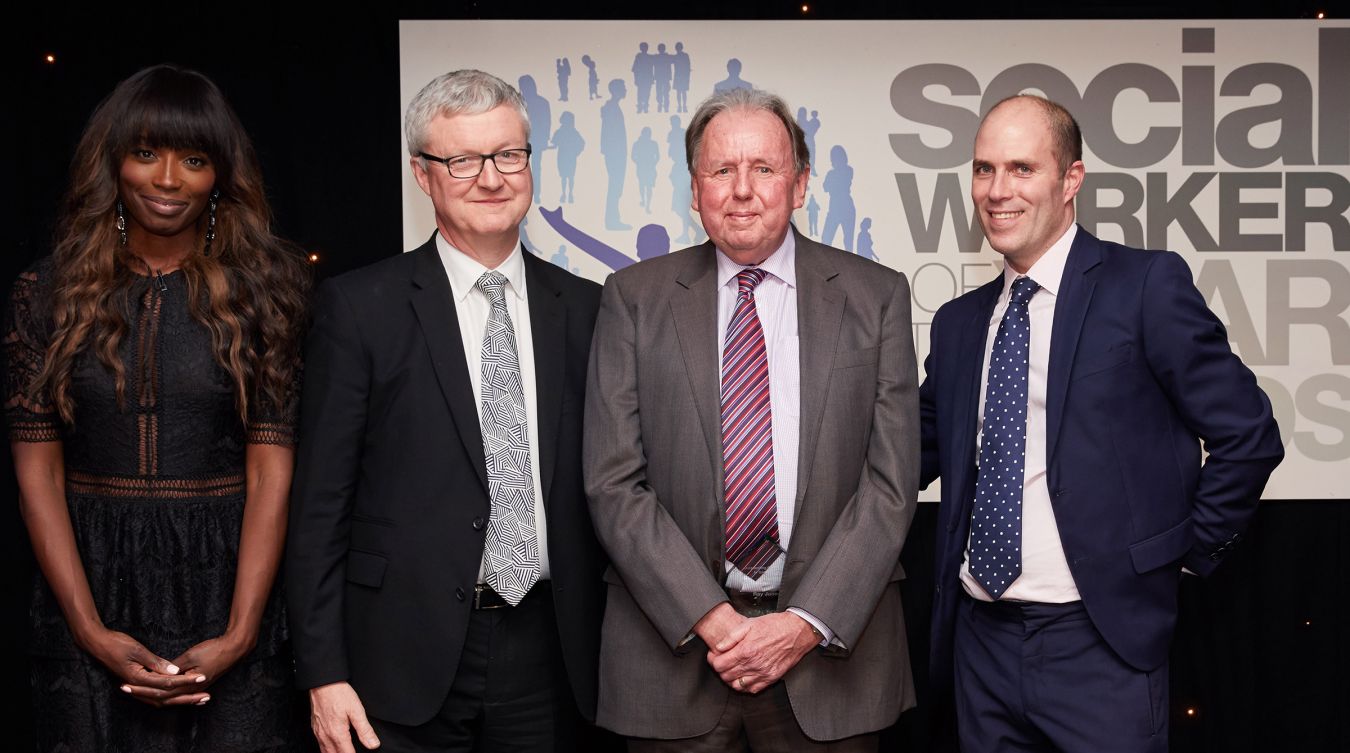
(121, 224)
(210, 221)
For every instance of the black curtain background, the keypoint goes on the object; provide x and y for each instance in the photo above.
(1262, 654)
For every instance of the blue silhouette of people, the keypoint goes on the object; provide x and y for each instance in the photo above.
(644, 71)
(652, 241)
(541, 125)
(560, 259)
(564, 67)
(569, 143)
(809, 127)
(682, 68)
(645, 156)
(592, 78)
(681, 190)
(865, 240)
(614, 147)
(839, 186)
(733, 79)
(663, 67)
(812, 214)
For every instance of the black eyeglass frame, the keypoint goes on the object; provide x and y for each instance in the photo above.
(484, 157)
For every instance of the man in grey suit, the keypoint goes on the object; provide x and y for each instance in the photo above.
(751, 451)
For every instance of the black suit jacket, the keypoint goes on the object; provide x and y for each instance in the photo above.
(390, 499)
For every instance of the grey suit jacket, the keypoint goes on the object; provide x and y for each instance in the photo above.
(653, 470)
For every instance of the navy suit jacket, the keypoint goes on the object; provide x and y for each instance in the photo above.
(1140, 374)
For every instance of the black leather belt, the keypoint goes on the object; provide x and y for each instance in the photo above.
(753, 603)
(485, 598)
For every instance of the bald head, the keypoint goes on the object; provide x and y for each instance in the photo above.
(1065, 136)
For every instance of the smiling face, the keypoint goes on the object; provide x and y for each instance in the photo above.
(164, 192)
(479, 216)
(1023, 199)
(745, 184)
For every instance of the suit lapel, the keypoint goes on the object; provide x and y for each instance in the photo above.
(548, 325)
(435, 308)
(820, 311)
(1070, 309)
(693, 307)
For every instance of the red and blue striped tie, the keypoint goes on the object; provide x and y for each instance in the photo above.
(747, 437)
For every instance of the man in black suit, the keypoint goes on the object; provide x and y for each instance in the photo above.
(443, 575)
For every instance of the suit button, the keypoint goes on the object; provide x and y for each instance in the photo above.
(478, 524)
(459, 594)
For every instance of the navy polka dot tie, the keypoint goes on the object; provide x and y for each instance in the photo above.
(996, 522)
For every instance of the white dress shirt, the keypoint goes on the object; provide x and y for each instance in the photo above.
(776, 306)
(473, 307)
(1045, 574)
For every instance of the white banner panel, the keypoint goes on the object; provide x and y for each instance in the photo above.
(1227, 141)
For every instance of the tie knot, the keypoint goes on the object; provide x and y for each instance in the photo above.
(1023, 288)
(493, 284)
(749, 279)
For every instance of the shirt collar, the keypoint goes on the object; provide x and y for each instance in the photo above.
(1048, 270)
(780, 264)
(464, 270)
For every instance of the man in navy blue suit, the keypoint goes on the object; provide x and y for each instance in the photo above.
(1065, 407)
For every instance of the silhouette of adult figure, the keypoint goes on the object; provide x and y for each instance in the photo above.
(644, 71)
(865, 240)
(809, 127)
(592, 78)
(652, 240)
(645, 156)
(614, 147)
(564, 67)
(682, 68)
(569, 143)
(813, 215)
(663, 65)
(541, 125)
(681, 190)
(839, 185)
(733, 79)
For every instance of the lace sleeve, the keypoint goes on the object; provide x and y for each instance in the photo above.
(272, 424)
(30, 417)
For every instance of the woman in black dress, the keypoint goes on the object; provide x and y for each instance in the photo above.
(151, 364)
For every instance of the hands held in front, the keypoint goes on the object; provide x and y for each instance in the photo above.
(750, 654)
(149, 678)
(335, 711)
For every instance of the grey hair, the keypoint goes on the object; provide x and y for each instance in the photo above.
(745, 99)
(458, 92)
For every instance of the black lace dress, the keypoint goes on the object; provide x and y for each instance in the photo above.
(156, 496)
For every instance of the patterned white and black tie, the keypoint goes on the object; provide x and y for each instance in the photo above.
(996, 521)
(511, 553)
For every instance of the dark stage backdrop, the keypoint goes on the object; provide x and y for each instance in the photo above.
(1263, 647)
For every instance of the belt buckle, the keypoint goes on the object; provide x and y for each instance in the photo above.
(482, 589)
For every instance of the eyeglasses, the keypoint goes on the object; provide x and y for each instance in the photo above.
(507, 161)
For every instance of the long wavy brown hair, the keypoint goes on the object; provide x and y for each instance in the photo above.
(250, 292)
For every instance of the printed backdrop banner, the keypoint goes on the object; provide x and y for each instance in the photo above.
(1226, 141)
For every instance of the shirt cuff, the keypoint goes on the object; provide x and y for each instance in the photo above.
(826, 634)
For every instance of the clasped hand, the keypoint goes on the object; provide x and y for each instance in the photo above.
(752, 653)
(157, 681)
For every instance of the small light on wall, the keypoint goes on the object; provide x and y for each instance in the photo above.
(313, 258)
(1321, 15)
(1307, 623)
(805, 8)
(1190, 712)
(49, 58)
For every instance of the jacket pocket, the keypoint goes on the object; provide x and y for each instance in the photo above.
(1165, 548)
(365, 568)
(851, 358)
(1099, 362)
